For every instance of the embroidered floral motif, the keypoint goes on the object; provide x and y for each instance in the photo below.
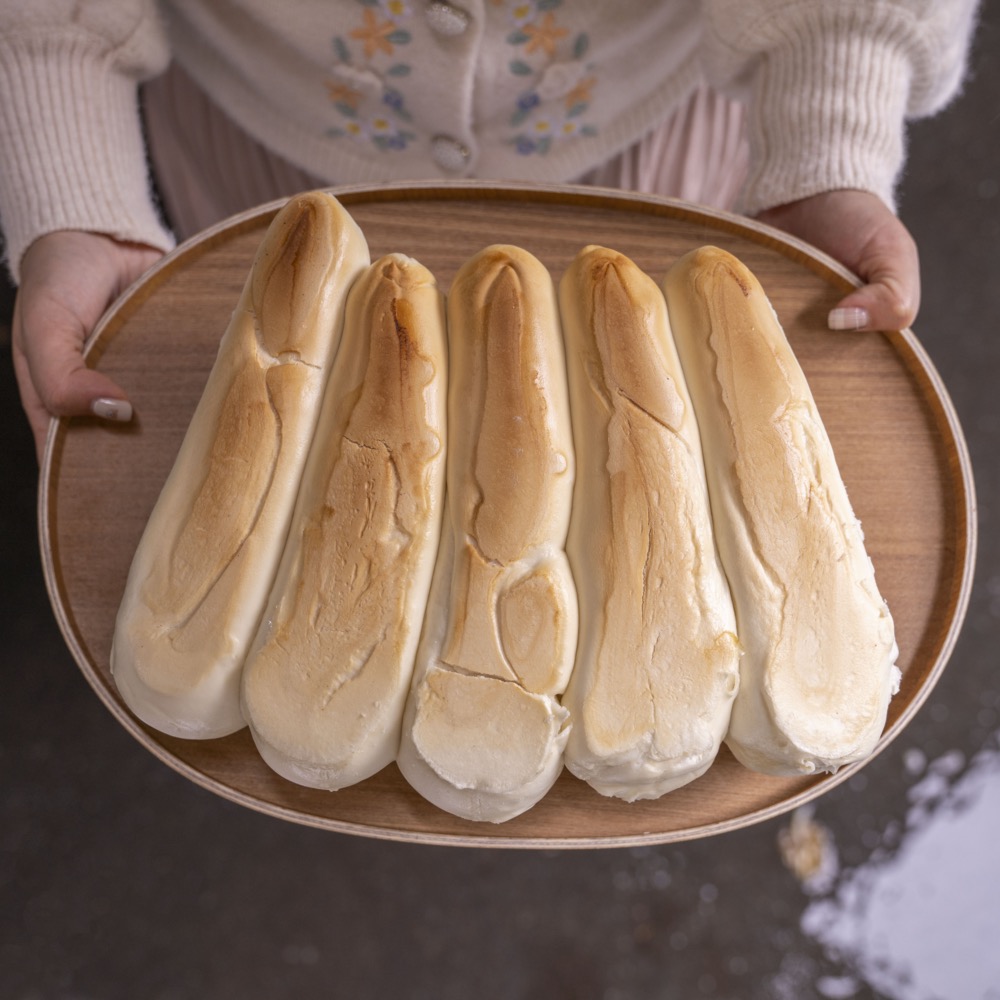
(342, 94)
(522, 13)
(369, 63)
(536, 34)
(544, 35)
(370, 110)
(379, 36)
(579, 96)
(396, 9)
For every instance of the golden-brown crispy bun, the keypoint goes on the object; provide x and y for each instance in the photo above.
(819, 664)
(205, 562)
(657, 661)
(484, 732)
(326, 681)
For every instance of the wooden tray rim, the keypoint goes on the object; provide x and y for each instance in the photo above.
(904, 342)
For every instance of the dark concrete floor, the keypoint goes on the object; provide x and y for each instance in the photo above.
(121, 879)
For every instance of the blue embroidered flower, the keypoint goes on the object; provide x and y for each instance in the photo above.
(370, 111)
(543, 48)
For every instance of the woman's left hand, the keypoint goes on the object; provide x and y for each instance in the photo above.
(860, 231)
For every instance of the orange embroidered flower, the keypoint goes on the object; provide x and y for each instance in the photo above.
(543, 35)
(340, 93)
(374, 34)
(580, 94)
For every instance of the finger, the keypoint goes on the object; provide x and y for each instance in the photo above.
(50, 341)
(890, 298)
(82, 392)
(873, 307)
(68, 388)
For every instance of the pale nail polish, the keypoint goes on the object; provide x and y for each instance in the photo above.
(119, 410)
(851, 318)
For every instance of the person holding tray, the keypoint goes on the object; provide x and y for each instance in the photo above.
(129, 125)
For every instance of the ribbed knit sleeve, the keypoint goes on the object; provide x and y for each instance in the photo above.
(832, 84)
(71, 147)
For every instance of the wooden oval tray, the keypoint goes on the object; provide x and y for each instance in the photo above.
(893, 429)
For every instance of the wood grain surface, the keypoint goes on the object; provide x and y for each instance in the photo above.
(894, 432)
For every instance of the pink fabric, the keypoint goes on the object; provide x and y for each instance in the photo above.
(699, 154)
(207, 168)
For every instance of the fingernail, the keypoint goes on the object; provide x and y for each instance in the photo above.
(850, 318)
(119, 410)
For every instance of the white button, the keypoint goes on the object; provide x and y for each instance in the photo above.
(446, 19)
(449, 153)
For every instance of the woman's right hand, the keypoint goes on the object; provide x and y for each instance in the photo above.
(68, 279)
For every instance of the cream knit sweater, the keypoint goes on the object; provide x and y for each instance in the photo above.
(373, 90)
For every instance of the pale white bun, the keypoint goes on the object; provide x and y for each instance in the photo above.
(818, 669)
(657, 661)
(325, 683)
(484, 732)
(204, 565)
